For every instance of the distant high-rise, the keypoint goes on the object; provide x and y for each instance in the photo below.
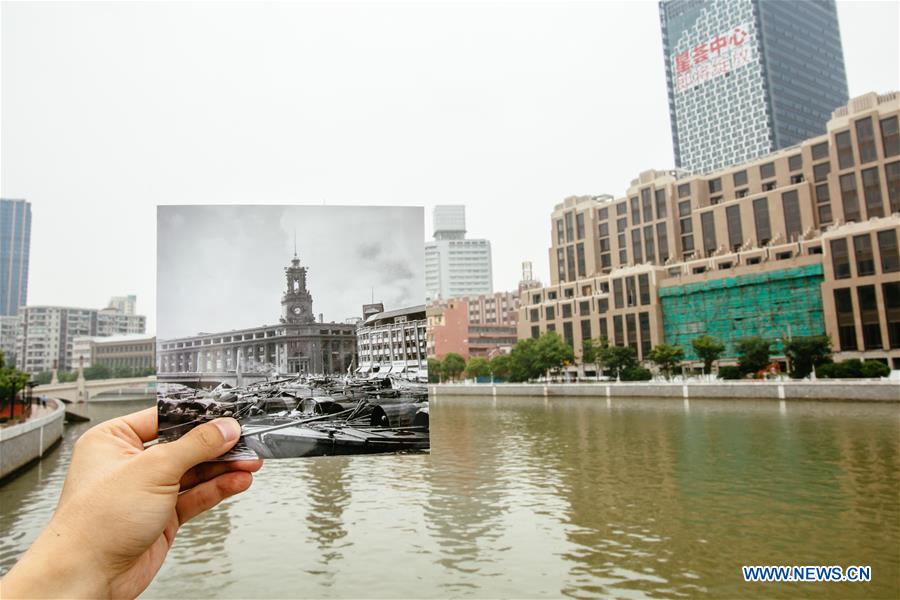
(748, 77)
(15, 241)
(454, 265)
(124, 304)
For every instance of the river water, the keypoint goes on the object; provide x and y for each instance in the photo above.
(529, 498)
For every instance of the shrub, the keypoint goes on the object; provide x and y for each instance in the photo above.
(874, 368)
(853, 369)
(730, 372)
(637, 373)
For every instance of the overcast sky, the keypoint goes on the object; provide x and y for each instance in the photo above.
(222, 267)
(109, 109)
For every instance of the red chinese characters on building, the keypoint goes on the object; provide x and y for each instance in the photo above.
(717, 56)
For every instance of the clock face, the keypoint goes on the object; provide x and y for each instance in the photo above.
(297, 310)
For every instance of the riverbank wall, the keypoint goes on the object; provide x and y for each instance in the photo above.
(23, 443)
(846, 390)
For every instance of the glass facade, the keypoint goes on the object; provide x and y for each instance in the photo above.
(746, 77)
(15, 244)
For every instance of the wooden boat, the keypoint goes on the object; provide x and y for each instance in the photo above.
(327, 439)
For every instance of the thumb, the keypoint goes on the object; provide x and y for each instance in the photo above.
(202, 443)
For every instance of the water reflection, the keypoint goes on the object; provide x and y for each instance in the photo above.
(536, 498)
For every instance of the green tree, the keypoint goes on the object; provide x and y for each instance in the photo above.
(666, 357)
(453, 365)
(593, 352)
(753, 353)
(501, 366)
(434, 370)
(99, 372)
(525, 364)
(637, 373)
(708, 349)
(478, 367)
(807, 352)
(11, 381)
(43, 377)
(553, 352)
(620, 358)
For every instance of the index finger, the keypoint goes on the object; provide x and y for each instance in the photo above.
(143, 423)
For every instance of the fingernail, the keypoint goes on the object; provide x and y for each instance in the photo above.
(230, 428)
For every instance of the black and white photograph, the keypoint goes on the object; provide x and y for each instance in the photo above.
(304, 323)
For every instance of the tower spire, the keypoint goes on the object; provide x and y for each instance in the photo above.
(295, 243)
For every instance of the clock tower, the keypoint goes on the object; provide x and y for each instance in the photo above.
(296, 303)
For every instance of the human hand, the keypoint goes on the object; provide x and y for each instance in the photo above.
(121, 506)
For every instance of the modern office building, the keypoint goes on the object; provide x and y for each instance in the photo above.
(393, 342)
(124, 304)
(802, 241)
(15, 242)
(748, 77)
(298, 344)
(454, 265)
(134, 352)
(45, 335)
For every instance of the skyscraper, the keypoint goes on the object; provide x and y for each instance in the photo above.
(15, 240)
(455, 266)
(748, 77)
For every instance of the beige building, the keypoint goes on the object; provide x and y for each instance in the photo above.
(136, 352)
(764, 222)
(393, 341)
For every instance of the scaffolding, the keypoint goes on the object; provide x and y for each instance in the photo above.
(776, 305)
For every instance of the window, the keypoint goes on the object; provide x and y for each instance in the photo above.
(741, 193)
(631, 330)
(585, 329)
(620, 208)
(535, 331)
(892, 175)
(617, 328)
(823, 200)
(761, 218)
(872, 193)
(604, 333)
(819, 151)
(647, 204)
(865, 140)
(570, 262)
(715, 185)
(569, 232)
(551, 326)
(891, 294)
(715, 200)
(687, 225)
(621, 239)
(584, 307)
(561, 263)
(739, 178)
(603, 214)
(868, 317)
(840, 258)
(603, 305)
(579, 251)
(649, 244)
(621, 224)
(535, 315)
(569, 292)
(865, 259)
(661, 204)
(567, 333)
(535, 298)
(684, 190)
(887, 248)
(551, 295)
(687, 244)
(636, 252)
(843, 307)
(849, 197)
(684, 208)
(798, 178)
(767, 171)
(708, 227)
(644, 323)
(549, 313)
(768, 186)
(618, 301)
(644, 289)
(821, 171)
(560, 236)
(635, 210)
(567, 311)
(604, 244)
(795, 162)
(623, 256)
(630, 292)
(844, 149)
(792, 221)
(733, 219)
(579, 226)
(890, 137)
(662, 239)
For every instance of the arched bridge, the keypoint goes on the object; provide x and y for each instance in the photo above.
(84, 390)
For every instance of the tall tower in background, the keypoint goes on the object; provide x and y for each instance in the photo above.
(748, 77)
(15, 241)
(296, 303)
(455, 266)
